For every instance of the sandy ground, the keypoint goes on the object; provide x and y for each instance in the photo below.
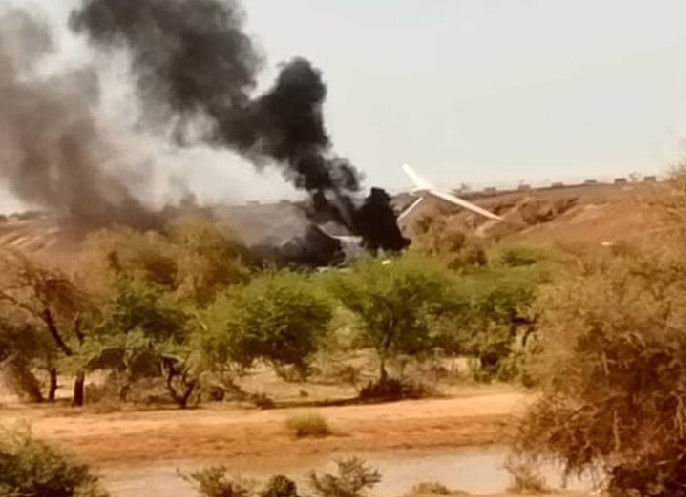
(129, 440)
(123, 438)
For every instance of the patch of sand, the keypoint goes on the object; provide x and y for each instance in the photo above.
(123, 438)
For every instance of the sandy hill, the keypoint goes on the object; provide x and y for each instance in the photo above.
(594, 213)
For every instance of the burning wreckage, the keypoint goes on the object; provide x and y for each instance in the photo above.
(322, 241)
(295, 233)
(193, 72)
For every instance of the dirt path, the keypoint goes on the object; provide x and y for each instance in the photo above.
(124, 438)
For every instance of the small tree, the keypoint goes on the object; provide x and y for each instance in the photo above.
(152, 288)
(492, 313)
(45, 298)
(277, 317)
(142, 332)
(395, 303)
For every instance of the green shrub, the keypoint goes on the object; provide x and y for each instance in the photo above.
(493, 317)
(30, 468)
(279, 318)
(353, 478)
(307, 425)
(215, 482)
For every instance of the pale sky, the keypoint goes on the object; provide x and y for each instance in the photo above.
(493, 90)
(486, 91)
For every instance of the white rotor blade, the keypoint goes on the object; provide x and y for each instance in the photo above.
(418, 181)
(463, 203)
(414, 204)
(348, 239)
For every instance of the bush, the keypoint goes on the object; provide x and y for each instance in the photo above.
(526, 478)
(352, 479)
(434, 488)
(262, 401)
(279, 486)
(307, 425)
(448, 240)
(215, 482)
(392, 390)
(518, 255)
(30, 468)
(660, 474)
(610, 359)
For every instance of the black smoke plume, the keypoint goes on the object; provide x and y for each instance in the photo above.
(51, 146)
(197, 69)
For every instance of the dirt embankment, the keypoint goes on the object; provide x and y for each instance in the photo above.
(123, 438)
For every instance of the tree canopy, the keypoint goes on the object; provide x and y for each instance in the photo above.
(395, 302)
(277, 317)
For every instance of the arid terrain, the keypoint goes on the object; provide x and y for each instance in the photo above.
(477, 418)
(587, 214)
(465, 417)
(135, 449)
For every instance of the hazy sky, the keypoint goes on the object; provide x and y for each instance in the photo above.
(493, 90)
(487, 90)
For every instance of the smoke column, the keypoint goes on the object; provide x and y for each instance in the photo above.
(196, 68)
(50, 143)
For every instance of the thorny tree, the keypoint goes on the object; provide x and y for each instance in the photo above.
(48, 300)
(611, 363)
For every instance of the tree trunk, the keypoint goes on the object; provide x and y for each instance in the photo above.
(53, 385)
(124, 392)
(182, 402)
(182, 381)
(79, 389)
(185, 397)
(383, 374)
